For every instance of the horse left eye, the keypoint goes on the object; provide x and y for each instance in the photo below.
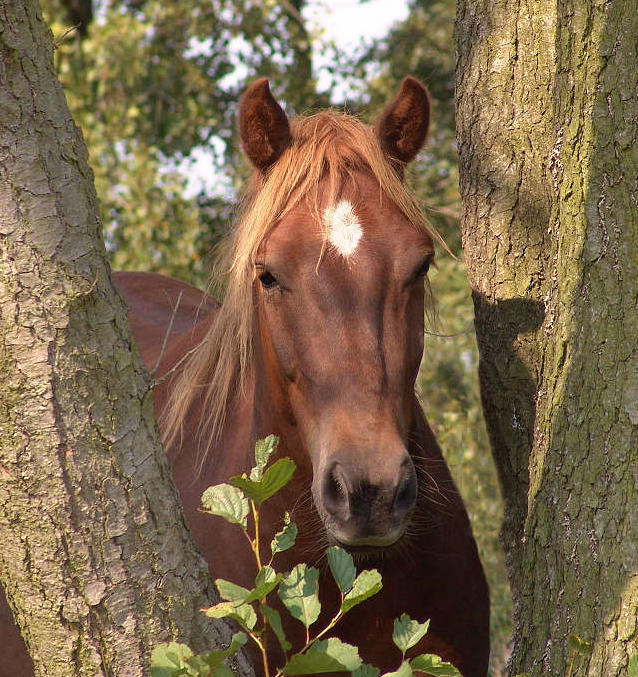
(422, 270)
(268, 280)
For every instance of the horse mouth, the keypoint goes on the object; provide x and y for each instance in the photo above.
(368, 545)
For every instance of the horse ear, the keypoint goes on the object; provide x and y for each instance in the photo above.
(403, 126)
(263, 125)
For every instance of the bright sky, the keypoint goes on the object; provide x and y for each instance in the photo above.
(348, 21)
(345, 22)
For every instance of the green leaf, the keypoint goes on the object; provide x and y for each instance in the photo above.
(366, 584)
(244, 614)
(633, 666)
(214, 659)
(265, 582)
(342, 567)
(274, 479)
(299, 591)
(366, 671)
(578, 644)
(405, 670)
(274, 621)
(264, 449)
(222, 671)
(227, 502)
(230, 591)
(167, 659)
(284, 539)
(434, 665)
(407, 632)
(329, 655)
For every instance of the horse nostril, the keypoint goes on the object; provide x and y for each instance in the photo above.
(335, 492)
(405, 496)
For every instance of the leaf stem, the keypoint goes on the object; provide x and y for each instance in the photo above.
(256, 542)
(572, 660)
(262, 649)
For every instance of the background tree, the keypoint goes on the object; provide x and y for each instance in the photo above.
(548, 138)
(95, 558)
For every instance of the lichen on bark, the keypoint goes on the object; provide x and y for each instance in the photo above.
(95, 559)
(548, 139)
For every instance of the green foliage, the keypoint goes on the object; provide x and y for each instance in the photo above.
(342, 568)
(365, 585)
(434, 666)
(284, 539)
(407, 632)
(298, 591)
(228, 502)
(174, 658)
(274, 479)
(329, 655)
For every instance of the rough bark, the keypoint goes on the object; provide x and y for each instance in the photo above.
(95, 558)
(547, 118)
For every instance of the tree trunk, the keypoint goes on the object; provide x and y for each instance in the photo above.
(547, 117)
(95, 558)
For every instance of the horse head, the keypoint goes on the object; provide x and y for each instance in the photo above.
(338, 284)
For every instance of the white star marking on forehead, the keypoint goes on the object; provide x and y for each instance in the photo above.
(344, 229)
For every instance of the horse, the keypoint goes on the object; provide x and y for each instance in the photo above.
(318, 340)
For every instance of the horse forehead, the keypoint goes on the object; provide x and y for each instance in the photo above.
(352, 228)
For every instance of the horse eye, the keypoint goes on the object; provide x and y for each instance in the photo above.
(268, 280)
(422, 270)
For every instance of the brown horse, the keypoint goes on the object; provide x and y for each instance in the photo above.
(319, 340)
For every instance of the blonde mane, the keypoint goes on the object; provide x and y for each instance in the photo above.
(326, 149)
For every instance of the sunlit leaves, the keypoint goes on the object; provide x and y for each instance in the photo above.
(342, 568)
(169, 660)
(404, 670)
(230, 591)
(284, 539)
(228, 502)
(244, 614)
(299, 592)
(407, 632)
(264, 449)
(366, 584)
(330, 655)
(366, 670)
(265, 582)
(275, 478)
(434, 665)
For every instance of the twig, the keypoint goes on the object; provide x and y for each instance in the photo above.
(167, 334)
(292, 10)
(463, 332)
(65, 35)
(175, 367)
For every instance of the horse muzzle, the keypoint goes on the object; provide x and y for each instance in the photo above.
(367, 506)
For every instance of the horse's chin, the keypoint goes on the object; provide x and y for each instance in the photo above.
(370, 548)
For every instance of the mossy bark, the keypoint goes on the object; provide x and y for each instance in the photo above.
(547, 118)
(95, 558)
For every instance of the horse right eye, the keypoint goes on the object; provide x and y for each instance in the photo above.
(268, 280)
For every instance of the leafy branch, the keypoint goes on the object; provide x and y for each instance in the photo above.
(239, 503)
